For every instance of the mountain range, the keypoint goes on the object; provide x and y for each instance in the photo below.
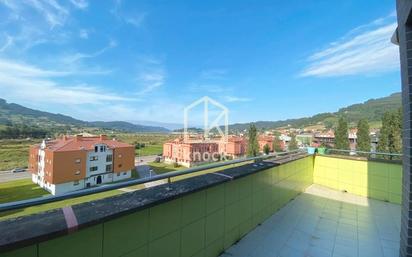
(11, 113)
(372, 110)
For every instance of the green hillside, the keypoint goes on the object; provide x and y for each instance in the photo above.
(30, 122)
(372, 110)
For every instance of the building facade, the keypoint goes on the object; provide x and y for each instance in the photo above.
(198, 151)
(190, 153)
(73, 163)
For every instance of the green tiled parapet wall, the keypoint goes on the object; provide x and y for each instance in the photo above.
(202, 224)
(377, 180)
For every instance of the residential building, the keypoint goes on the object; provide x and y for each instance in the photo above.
(191, 152)
(325, 138)
(234, 147)
(265, 140)
(72, 163)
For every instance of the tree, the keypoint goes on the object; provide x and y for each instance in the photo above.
(390, 138)
(277, 147)
(266, 149)
(253, 145)
(341, 135)
(363, 139)
(293, 144)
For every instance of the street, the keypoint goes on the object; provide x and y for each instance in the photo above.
(6, 176)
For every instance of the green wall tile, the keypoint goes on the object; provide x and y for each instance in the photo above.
(231, 216)
(231, 192)
(193, 207)
(169, 246)
(231, 237)
(164, 218)
(245, 208)
(215, 198)
(125, 234)
(30, 251)
(215, 248)
(215, 226)
(193, 238)
(86, 242)
(140, 252)
(245, 187)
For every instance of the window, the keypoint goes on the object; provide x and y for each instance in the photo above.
(101, 148)
(77, 161)
(109, 158)
(124, 173)
(94, 158)
(77, 172)
(96, 148)
(75, 183)
(94, 168)
(118, 174)
(108, 168)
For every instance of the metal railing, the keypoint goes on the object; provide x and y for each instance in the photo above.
(103, 188)
(329, 150)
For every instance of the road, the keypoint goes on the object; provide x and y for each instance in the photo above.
(10, 176)
(145, 171)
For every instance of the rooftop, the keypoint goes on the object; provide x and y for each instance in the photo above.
(72, 143)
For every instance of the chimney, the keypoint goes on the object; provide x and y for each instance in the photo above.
(103, 137)
(79, 138)
(65, 137)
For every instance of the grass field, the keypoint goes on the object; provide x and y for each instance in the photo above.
(14, 153)
(150, 150)
(161, 167)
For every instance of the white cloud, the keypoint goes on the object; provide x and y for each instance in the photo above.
(52, 12)
(135, 20)
(212, 74)
(364, 50)
(83, 33)
(150, 80)
(232, 99)
(27, 82)
(75, 57)
(80, 4)
(131, 17)
(8, 42)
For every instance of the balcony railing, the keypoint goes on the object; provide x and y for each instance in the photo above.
(199, 216)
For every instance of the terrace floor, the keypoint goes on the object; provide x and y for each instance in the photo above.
(324, 222)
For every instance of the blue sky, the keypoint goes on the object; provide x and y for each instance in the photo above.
(147, 60)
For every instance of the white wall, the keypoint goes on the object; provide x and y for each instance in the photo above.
(100, 163)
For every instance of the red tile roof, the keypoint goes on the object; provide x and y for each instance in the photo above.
(82, 143)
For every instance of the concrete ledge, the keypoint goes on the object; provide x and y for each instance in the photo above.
(32, 229)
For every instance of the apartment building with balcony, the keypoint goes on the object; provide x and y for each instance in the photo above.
(76, 162)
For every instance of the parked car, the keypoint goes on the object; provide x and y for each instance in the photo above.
(17, 170)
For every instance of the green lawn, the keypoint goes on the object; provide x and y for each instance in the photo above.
(150, 150)
(25, 189)
(20, 190)
(161, 167)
